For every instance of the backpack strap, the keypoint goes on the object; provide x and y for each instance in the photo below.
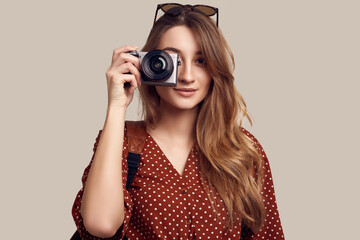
(136, 134)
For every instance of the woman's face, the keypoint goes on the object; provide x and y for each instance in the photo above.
(193, 77)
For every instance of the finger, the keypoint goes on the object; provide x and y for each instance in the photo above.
(132, 83)
(129, 69)
(126, 57)
(123, 49)
(135, 71)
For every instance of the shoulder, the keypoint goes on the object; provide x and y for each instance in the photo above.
(135, 127)
(256, 144)
(137, 124)
(136, 135)
(253, 139)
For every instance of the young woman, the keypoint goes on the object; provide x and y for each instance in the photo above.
(201, 175)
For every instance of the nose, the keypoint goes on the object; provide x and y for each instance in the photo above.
(186, 73)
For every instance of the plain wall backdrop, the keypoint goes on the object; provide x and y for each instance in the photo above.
(297, 66)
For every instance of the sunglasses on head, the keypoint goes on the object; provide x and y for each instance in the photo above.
(175, 9)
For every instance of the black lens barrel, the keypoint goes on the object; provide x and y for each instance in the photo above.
(157, 65)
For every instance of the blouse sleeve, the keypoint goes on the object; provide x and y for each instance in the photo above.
(271, 229)
(85, 235)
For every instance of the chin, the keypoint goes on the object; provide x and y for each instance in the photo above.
(182, 105)
(186, 107)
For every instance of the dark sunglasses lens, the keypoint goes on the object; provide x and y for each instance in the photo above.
(172, 8)
(208, 11)
(175, 9)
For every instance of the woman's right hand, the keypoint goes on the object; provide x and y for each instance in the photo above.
(124, 68)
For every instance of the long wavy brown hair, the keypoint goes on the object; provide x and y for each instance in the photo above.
(229, 160)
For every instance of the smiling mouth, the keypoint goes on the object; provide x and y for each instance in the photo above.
(186, 92)
(185, 89)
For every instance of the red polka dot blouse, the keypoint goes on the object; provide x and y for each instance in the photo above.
(162, 204)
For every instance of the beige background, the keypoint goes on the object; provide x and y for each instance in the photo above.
(297, 65)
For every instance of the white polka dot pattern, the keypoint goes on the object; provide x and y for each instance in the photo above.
(162, 204)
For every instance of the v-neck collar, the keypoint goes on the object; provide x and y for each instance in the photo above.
(188, 159)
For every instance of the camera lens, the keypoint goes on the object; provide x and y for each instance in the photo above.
(157, 65)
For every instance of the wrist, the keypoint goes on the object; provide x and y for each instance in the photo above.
(115, 106)
(114, 110)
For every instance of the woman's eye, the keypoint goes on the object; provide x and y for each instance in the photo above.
(201, 61)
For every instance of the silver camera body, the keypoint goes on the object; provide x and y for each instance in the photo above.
(158, 68)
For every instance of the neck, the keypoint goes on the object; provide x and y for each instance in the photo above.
(176, 124)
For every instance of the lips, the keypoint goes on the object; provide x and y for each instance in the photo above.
(185, 92)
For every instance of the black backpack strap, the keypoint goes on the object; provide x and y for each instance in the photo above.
(133, 160)
(136, 133)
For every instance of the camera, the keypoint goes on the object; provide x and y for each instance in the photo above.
(158, 67)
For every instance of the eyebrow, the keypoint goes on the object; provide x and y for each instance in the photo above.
(171, 49)
(175, 50)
